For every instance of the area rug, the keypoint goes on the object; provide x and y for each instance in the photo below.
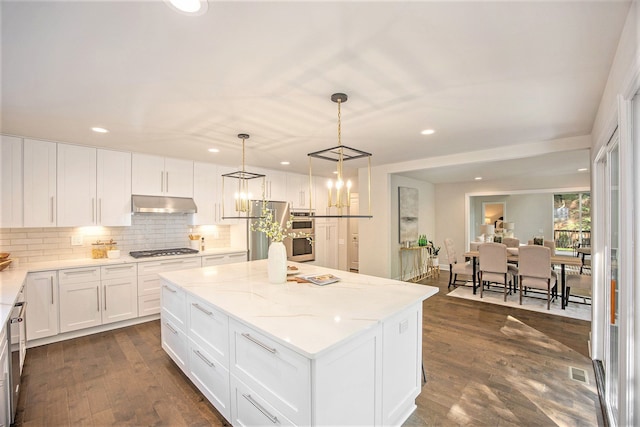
(574, 310)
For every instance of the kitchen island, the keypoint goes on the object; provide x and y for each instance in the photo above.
(348, 353)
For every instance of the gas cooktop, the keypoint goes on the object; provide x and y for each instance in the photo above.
(162, 252)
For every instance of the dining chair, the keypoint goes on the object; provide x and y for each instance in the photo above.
(511, 242)
(456, 267)
(579, 285)
(547, 243)
(534, 265)
(494, 267)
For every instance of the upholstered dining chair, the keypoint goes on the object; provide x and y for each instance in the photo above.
(579, 285)
(455, 266)
(494, 267)
(511, 242)
(547, 243)
(534, 265)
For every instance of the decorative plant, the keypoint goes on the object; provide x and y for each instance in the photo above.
(273, 229)
(435, 249)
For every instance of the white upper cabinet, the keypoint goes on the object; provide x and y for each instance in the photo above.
(39, 168)
(205, 182)
(114, 188)
(94, 187)
(160, 176)
(10, 181)
(298, 191)
(77, 200)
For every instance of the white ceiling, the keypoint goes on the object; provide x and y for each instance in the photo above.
(482, 74)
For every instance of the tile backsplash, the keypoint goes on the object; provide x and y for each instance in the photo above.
(147, 231)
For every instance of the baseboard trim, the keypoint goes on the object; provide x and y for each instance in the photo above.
(598, 369)
(90, 331)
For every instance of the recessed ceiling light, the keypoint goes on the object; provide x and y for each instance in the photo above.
(285, 163)
(582, 170)
(99, 130)
(189, 7)
(213, 150)
(335, 172)
(478, 178)
(428, 132)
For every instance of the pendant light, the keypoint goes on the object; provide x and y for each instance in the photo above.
(240, 186)
(339, 190)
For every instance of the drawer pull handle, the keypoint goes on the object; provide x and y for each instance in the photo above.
(170, 327)
(202, 309)
(201, 356)
(124, 267)
(263, 345)
(69, 273)
(171, 262)
(170, 289)
(260, 408)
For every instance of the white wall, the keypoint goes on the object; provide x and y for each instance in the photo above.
(451, 208)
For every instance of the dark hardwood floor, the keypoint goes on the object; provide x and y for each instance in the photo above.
(486, 365)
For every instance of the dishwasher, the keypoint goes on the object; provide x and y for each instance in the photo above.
(18, 346)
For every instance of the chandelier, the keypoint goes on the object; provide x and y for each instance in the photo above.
(339, 191)
(240, 185)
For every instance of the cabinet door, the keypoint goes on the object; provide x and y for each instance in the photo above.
(178, 177)
(42, 304)
(119, 300)
(147, 175)
(298, 191)
(326, 244)
(114, 188)
(39, 170)
(205, 179)
(79, 306)
(10, 181)
(5, 389)
(77, 202)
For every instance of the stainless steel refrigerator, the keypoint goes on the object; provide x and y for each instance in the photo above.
(257, 241)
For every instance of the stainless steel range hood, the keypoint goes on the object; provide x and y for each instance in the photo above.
(160, 204)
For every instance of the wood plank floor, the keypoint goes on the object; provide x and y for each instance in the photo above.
(486, 365)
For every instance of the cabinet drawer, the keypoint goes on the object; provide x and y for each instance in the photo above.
(210, 329)
(250, 409)
(173, 303)
(79, 275)
(117, 271)
(237, 257)
(211, 378)
(169, 265)
(277, 373)
(148, 284)
(174, 342)
(149, 304)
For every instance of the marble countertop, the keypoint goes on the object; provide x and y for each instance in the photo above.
(307, 318)
(13, 278)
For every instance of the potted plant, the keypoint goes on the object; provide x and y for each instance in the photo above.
(435, 250)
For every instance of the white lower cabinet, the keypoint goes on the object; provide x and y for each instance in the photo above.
(220, 259)
(149, 281)
(249, 409)
(211, 377)
(42, 302)
(174, 341)
(5, 387)
(87, 301)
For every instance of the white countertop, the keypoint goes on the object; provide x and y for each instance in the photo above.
(12, 278)
(307, 318)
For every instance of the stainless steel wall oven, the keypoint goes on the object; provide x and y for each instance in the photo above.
(300, 249)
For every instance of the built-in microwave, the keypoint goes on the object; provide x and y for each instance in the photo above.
(300, 249)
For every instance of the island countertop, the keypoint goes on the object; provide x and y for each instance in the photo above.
(307, 318)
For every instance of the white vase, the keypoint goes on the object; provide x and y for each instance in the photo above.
(277, 263)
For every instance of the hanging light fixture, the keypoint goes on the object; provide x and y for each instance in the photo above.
(339, 190)
(240, 186)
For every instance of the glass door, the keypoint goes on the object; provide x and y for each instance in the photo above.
(612, 211)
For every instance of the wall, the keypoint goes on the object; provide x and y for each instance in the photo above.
(426, 222)
(148, 231)
(451, 209)
(531, 213)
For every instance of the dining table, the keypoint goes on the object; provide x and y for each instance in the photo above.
(512, 256)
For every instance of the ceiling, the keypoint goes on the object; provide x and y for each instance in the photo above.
(482, 74)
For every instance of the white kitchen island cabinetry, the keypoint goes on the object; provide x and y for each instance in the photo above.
(5, 382)
(160, 176)
(298, 354)
(41, 294)
(39, 168)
